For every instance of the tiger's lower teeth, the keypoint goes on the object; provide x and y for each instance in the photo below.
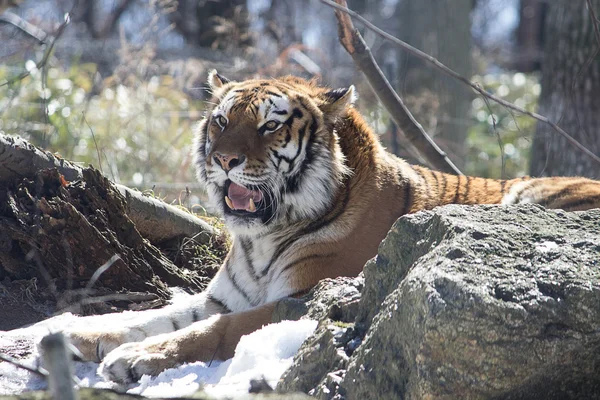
(251, 205)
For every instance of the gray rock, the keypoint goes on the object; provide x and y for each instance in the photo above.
(469, 302)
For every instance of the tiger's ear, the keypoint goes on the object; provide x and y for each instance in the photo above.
(336, 101)
(216, 81)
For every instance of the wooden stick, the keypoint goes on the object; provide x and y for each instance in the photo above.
(60, 369)
(409, 128)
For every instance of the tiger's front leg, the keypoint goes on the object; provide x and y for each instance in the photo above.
(94, 342)
(214, 338)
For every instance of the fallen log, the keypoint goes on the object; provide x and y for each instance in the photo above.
(156, 220)
(82, 239)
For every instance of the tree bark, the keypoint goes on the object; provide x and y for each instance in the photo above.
(570, 88)
(530, 35)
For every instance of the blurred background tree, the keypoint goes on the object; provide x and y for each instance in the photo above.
(125, 82)
(570, 90)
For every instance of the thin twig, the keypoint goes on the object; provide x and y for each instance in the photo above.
(42, 63)
(426, 57)
(409, 128)
(500, 144)
(101, 270)
(38, 371)
(95, 143)
(595, 20)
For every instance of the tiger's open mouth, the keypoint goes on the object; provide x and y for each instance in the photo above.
(242, 201)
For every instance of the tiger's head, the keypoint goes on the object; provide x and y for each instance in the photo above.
(268, 152)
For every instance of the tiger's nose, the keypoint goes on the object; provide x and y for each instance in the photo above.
(229, 161)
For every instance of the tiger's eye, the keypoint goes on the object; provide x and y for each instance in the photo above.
(222, 121)
(271, 125)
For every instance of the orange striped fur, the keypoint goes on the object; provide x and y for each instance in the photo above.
(324, 194)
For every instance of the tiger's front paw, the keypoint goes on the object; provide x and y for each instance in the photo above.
(127, 363)
(95, 345)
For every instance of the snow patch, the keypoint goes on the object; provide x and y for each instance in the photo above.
(266, 353)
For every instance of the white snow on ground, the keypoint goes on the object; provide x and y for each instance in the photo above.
(267, 352)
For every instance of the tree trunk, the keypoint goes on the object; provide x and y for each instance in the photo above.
(530, 35)
(441, 28)
(570, 92)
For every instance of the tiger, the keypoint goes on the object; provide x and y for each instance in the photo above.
(307, 192)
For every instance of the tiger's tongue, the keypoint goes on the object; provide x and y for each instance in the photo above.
(240, 197)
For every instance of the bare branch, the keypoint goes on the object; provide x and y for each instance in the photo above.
(426, 57)
(24, 26)
(57, 359)
(42, 63)
(412, 131)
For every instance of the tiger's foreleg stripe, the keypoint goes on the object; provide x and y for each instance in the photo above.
(175, 325)
(218, 302)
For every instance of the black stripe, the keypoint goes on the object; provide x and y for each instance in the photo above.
(288, 138)
(294, 182)
(313, 227)
(523, 190)
(272, 94)
(247, 248)
(581, 202)
(502, 186)
(561, 193)
(195, 315)
(176, 326)
(218, 302)
(280, 112)
(457, 195)
(301, 260)
(276, 165)
(427, 190)
(236, 285)
(468, 189)
(434, 174)
(407, 197)
(444, 186)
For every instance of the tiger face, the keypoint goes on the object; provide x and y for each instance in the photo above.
(268, 152)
